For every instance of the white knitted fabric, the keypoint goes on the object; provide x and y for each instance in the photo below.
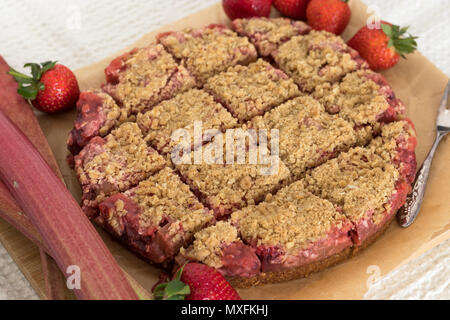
(78, 33)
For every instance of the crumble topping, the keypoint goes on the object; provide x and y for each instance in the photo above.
(316, 58)
(97, 114)
(147, 76)
(163, 196)
(115, 163)
(293, 219)
(208, 244)
(182, 111)
(251, 90)
(228, 187)
(210, 50)
(357, 98)
(359, 181)
(308, 136)
(267, 34)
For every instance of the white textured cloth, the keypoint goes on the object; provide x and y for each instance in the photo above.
(78, 33)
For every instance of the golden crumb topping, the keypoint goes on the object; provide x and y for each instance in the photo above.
(293, 219)
(123, 160)
(208, 244)
(181, 112)
(147, 71)
(208, 51)
(357, 98)
(315, 58)
(307, 134)
(227, 187)
(268, 34)
(359, 181)
(163, 195)
(244, 89)
(114, 114)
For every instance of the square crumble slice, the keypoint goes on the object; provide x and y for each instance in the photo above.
(292, 229)
(144, 77)
(267, 34)
(220, 247)
(209, 50)
(113, 164)
(308, 135)
(362, 97)
(248, 91)
(226, 187)
(316, 58)
(181, 112)
(97, 114)
(156, 217)
(369, 184)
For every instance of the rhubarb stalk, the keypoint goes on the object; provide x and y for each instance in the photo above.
(66, 231)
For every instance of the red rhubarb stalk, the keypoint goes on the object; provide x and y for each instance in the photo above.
(66, 231)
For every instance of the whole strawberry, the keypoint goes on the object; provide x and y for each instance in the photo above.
(196, 281)
(295, 9)
(382, 47)
(51, 88)
(236, 9)
(329, 15)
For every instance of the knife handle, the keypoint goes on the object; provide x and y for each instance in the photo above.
(409, 211)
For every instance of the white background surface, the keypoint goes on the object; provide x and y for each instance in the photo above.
(77, 33)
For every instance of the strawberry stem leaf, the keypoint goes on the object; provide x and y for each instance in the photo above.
(402, 41)
(29, 87)
(172, 290)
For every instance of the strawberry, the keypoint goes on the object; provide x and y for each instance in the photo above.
(383, 47)
(329, 15)
(196, 281)
(51, 88)
(246, 8)
(295, 9)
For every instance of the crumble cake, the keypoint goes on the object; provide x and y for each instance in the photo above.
(226, 187)
(143, 77)
(317, 58)
(369, 184)
(363, 97)
(268, 34)
(156, 217)
(97, 114)
(345, 163)
(308, 136)
(113, 164)
(181, 112)
(243, 89)
(209, 50)
(220, 247)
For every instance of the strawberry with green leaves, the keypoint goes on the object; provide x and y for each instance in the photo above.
(382, 47)
(196, 281)
(51, 87)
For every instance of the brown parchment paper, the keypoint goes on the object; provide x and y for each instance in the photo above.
(415, 80)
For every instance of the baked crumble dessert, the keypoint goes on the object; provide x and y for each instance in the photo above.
(243, 89)
(155, 218)
(181, 112)
(317, 58)
(268, 34)
(308, 136)
(362, 97)
(344, 165)
(97, 114)
(225, 187)
(113, 164)
(143, 77)
(209, 50)
(220, 247)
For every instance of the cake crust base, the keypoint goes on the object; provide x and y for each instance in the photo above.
(305, 270)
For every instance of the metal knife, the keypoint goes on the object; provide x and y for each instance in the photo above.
(408, 213)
